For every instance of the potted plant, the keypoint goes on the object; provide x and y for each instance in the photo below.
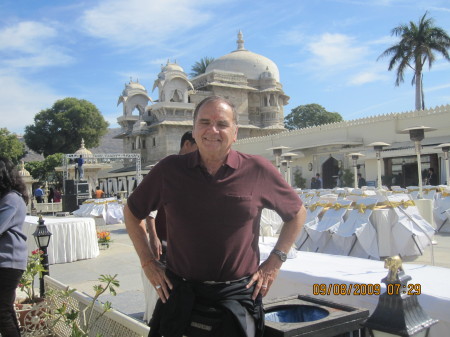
(31, 307)
(104, 239)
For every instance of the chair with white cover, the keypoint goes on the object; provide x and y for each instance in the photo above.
(319, 233)
(441, 212)
(413, 191)
(429, 192)
(411, 233)
(270, 222)
(303, 241)
(356, 236)
(355, 194)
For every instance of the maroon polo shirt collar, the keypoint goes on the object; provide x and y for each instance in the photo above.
(232, 160)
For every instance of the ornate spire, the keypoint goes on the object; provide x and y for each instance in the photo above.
(240, 41)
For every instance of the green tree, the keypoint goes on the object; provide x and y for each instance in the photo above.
(45, 170)
(418, 41)
(299, 180)
(199, 67)
(10, 146)
(61, 128)
(348, 178)
(308, 115)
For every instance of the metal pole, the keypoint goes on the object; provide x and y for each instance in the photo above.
(355, 173)
(419, 168)
(46, 272)
(379, 170)
(447, 174)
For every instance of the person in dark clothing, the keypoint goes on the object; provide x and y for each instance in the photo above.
(361, 181)
(432, 178)
(51, 195)
(13, 246)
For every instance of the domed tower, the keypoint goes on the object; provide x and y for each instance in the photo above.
(134, 98)
(252, 82)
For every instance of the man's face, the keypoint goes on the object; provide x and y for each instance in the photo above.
(214, 129)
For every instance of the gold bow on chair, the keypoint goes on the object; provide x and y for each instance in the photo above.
(362, 207)
(317, 204)
(445, 194)
(404, 203)
(337, 206)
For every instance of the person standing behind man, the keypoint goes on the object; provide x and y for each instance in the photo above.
(432, 177)
(13, 246)
(213, 200)
(39, 194)
(99, 193)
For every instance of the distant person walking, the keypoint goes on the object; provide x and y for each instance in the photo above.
(80, 162)
(39, 195)
(51, 195)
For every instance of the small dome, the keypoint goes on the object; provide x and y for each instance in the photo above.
(82, 150)
(23, 172)
(252, 65)
(133, 87)
(172, 67)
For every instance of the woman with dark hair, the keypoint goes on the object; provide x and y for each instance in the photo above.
(13, 246)
(51, 195)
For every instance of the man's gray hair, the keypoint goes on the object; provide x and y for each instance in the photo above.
(214, 99)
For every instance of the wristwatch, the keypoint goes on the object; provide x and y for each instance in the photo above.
(280, 254)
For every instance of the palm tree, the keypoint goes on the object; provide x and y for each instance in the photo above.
(418, 41)
(200, 66)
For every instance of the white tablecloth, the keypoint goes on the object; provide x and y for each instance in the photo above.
(73, 238)
(298, 275)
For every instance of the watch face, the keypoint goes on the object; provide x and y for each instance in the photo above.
(280, 254)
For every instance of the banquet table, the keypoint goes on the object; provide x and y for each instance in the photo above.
(72, 238)
(299, 275)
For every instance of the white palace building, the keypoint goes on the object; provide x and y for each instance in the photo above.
(252, 82)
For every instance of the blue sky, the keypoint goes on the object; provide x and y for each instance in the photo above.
(326, 51)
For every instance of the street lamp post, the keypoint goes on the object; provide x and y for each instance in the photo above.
(378, 147)
(284, 163)
(277, 151)
(355, 156)
(445, 148)
(417, 134)
(42, 238)
(288, 157)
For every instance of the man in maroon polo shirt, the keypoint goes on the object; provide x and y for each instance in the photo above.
(213, 199)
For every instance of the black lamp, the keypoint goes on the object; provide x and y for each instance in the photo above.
(445, 148)
(42, 238)
(355, 156)
(398, 313)
(417, 134)
(277, 151)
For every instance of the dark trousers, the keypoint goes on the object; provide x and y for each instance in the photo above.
(9, 279)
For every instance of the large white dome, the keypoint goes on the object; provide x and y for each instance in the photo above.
(252, 65)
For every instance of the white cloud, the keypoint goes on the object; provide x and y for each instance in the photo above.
(20, 100)
(141, 22)
(336, 51)
(32, 45)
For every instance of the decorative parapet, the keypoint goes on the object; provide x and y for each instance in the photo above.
(442, 109)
